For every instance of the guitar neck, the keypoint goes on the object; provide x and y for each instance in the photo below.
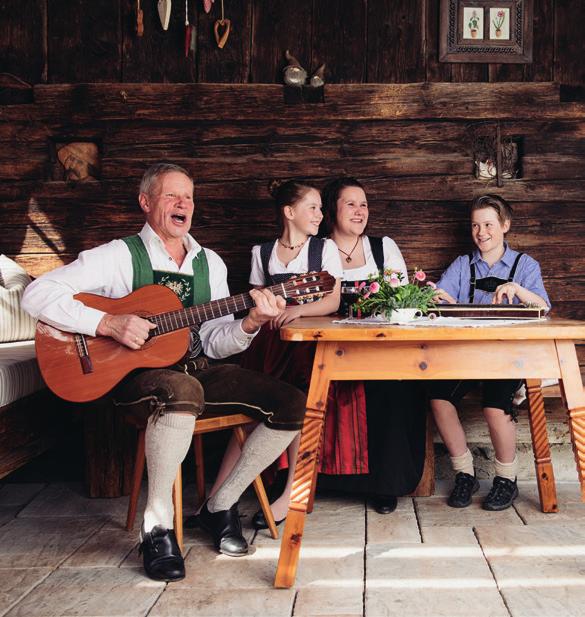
(185, 318)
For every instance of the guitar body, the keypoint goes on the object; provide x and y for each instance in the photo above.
(58, 352)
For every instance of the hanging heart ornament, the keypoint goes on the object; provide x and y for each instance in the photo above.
(221, 30)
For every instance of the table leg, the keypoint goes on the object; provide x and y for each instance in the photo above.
(545, 477)
(574, 399)
(304, 470)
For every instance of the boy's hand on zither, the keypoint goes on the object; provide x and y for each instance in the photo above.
(507, 290)
(442, 296)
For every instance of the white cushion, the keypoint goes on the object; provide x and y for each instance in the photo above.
(15, 324)
(19, 371)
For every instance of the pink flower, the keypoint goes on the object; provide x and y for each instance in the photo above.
(366, 295)
(394, 280)
(431, 285)
(500, 13)
(374, 287)
(362, 285)
(419, 275)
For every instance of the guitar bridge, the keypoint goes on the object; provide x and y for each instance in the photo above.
(83, 353)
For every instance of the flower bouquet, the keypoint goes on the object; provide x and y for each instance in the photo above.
(387, 296)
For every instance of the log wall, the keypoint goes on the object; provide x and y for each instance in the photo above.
(410, 145)
(379, 41)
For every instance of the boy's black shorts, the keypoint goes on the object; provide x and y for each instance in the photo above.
(498, 393)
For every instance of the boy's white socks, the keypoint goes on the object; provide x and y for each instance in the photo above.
(507, 470)
(463, 463)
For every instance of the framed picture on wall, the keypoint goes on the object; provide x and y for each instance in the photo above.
(486, 31)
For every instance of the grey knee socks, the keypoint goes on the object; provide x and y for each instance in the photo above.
(260, 449)
(167, 442)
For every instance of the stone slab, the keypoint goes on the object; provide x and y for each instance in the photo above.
(449, 536)
(229, 603)
(565, 601)
(433, 511)
(19, 494)
(15, 583)
(70, 500)
(540, 569)
(343, 524)
(8, 513)
(399, 526)
(95, 592)
(430, 580)
(460, 602)
(42, 542)
(320, 566)
(571, 508)
(336, 601)
(107, 547)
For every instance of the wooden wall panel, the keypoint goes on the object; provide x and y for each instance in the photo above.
(435, 70)
(340, 39)
(84, 41)
(543, 50)
(280, 25)
(569, 40)
(232, 63)
(23, 42)
(418, 172)
(396, 41)
(361, 41)
(158, 56)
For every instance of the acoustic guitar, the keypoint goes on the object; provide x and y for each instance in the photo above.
(81, 368)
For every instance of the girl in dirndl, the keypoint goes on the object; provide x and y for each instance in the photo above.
(297, 250)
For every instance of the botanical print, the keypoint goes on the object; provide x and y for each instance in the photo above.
(473, 23)
(500, 24)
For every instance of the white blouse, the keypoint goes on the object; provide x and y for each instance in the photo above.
(299, 265)
(393, 260)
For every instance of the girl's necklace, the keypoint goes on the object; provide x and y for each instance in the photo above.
(292, 247)
(348, 255)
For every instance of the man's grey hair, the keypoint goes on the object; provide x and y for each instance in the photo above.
(156, 171)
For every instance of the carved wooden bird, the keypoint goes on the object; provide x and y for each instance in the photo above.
(294, 73)
(318, 77)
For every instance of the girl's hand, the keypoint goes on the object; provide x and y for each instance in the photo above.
(291, 313)
(442, 296)
(507, 290)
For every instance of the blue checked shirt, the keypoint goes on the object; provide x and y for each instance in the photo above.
(457, 277)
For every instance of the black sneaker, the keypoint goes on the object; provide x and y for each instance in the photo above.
(465, 486)
(501, 495)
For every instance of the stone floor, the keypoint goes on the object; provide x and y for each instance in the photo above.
(62, 554)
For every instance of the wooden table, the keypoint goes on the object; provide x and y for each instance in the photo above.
(531, 351)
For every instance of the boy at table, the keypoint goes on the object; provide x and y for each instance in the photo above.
(492, 274)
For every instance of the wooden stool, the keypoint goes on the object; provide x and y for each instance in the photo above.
(206, 424)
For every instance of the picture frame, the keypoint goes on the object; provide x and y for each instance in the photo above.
(494, 31)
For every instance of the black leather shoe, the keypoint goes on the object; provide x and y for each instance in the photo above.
(162, 556)
(225, 529)
(465, 486)
(501, 495)
(259, 521)
(384, 504)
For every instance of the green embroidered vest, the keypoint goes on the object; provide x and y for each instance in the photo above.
(190, 290)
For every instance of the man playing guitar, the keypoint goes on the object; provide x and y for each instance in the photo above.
(170, 399)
